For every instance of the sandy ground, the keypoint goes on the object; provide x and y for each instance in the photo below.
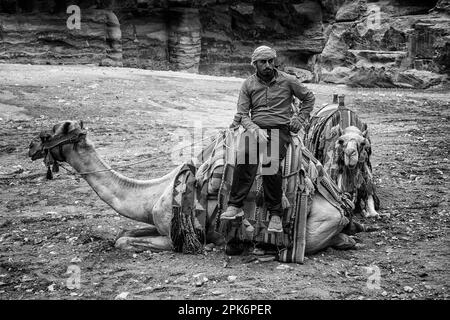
(55, 232)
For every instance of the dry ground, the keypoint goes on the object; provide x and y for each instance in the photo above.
(48, 227)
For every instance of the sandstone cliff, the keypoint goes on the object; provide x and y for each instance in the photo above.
(388, 43)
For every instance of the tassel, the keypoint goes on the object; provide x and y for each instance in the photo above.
(285, 202)
(49, 173)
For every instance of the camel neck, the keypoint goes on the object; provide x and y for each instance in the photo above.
(131, 198)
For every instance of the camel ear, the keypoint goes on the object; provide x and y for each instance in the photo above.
(365, 133)
(66, 127)
(81, 124)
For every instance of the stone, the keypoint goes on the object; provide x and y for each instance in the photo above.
(420, 79)
(301, 74)
(442, 6)
(122, 296)
(337, 75)
(351, 11)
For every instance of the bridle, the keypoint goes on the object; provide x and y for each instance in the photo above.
(57, 141)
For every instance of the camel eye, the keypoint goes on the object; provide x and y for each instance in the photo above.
(341, 141)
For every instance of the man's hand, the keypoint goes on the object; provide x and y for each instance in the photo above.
(295, 125)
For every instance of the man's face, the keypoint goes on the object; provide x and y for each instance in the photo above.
(265, 67)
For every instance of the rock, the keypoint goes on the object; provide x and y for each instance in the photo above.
(200, 279)
(284, 267)
(122, 296)
(337, 75)
(351, 10)
(217, 292)
(442, 6)
(420, 79)
(75, 260)
(408, 289)
(231, 278)
(310, 10)
(301, 74)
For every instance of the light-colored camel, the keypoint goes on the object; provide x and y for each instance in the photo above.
(345, 155)
(352, 142)
(150, 201)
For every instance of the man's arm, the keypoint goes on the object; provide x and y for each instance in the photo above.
(307, 98)
(243, 109)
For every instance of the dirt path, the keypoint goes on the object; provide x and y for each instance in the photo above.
(51, 228)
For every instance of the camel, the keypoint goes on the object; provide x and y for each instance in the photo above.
(150, 201)
(335, 138)
(352, 146)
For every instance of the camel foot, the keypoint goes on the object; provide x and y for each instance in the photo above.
(154, 243)
(370, 214)
(342, 241)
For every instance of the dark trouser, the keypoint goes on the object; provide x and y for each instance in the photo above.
(245, 171)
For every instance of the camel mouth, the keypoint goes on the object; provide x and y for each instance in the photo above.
(35, 150)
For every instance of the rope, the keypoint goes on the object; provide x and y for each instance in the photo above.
(133, 163)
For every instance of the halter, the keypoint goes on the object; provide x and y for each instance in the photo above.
(59, 140)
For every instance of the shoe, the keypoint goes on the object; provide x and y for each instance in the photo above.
(232, 213)
(248, 226)
(275, 224)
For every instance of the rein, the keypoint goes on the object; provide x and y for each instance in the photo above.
(72, 137)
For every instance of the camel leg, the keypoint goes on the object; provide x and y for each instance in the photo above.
(152, 243)
(371, 212)
(149, 231)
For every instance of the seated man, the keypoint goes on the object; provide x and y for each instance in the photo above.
(264, 106)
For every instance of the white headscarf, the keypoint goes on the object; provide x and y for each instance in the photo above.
(263, 53)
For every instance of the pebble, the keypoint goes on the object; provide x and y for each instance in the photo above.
(284, 267)
(384, 293)
(231, 278)
(408, 289)
(122, 296)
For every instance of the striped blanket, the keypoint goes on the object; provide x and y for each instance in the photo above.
(303, 176)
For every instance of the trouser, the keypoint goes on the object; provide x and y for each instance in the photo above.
(248, 158)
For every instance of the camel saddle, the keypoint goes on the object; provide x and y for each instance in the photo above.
(202, 188)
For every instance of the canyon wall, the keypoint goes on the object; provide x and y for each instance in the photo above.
(390, 43)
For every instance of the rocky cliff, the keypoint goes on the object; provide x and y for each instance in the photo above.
(390, 43)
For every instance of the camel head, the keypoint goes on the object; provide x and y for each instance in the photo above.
(352, 145)
(54, 145)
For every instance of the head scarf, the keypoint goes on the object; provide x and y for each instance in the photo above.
(263, 53)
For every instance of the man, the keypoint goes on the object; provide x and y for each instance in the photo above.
(264, 106)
